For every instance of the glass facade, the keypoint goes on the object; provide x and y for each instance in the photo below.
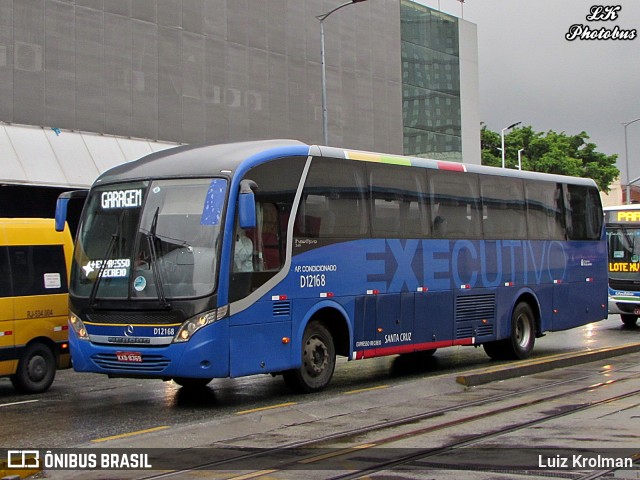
(203, 70)
(432, 124)
(191, 71)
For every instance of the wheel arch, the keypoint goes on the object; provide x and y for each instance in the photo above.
(333, 317)
(530, 298)
(46, 341)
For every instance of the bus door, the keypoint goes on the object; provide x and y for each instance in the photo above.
(7, 325)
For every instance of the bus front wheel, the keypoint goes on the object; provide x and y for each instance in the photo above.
(36, 369)
(629, 320)
(318, 361)
(523, 336)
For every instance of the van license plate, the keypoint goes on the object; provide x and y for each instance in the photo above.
(130, 357)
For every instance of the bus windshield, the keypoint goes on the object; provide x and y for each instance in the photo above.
(624, 251)
(150, 240)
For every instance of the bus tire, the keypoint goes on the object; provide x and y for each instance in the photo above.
(192, 383)
(318, 361)
(522, 339)
(36, 369)
(629, 320)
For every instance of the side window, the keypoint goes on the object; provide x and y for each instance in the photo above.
(259, 253)
(38, 270)
(398, 202)
(584, 214)
(333, 201)
(503, 208)
(455, 205)
(5, 274)
(544, 210)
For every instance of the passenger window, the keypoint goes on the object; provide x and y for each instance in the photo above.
(398, 202)
(334, 201)
(544, 210)
(584, 214)
(503, 208)
(38, 270)
(5, 274)
(455, 205)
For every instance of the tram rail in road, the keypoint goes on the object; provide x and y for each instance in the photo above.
(415, 425)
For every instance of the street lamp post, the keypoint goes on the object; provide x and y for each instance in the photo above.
(520, 158)
(322, 18)
(626, 159)
(502, 138)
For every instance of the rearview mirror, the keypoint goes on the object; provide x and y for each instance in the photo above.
(247, 205)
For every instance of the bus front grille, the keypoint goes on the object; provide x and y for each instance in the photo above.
(150, 363)
(136, 318)
(631, 285)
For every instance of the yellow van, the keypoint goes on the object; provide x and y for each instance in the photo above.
(34, 272)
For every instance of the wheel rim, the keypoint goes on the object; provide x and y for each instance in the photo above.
(37, 368)
(523, 331)
(316, 357)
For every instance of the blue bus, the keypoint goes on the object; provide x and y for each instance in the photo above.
(210, 261)
(623, 239)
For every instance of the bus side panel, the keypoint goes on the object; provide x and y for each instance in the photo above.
(8, 361)
(8, 356)
(41, 316)
(394, 322)
(262, 327)
(433, 313)
(544, 294)
(364, 329)
(580, 294)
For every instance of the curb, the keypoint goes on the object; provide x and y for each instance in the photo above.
(530, 367)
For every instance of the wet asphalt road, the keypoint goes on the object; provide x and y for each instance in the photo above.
(82, 409)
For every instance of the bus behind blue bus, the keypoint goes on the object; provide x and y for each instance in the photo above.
(623, 239)
(211, 261)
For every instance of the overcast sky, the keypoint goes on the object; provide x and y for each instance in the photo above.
(530, 72)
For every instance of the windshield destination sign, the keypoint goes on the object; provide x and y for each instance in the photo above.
(121, 199)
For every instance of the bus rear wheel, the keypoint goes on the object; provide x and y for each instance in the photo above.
(522, 339)
(318, 361)
(36, 369)
(629, 320)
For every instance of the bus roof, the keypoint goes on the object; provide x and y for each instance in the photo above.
(633, 206)
(32, 231)
(200, 160)
(203, 160)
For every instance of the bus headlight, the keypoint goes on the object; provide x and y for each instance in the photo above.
(78, 327)
(194, 324)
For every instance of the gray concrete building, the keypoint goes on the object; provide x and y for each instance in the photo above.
(87, 84)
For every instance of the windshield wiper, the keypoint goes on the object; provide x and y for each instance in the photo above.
(103, 264)
(153, 260)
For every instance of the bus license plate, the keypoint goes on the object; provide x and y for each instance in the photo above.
(129, 357)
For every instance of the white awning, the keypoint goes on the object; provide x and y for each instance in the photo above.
(61, 158)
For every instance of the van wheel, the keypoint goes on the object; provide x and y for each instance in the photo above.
(318, 361)
(36, 369)
(522, 339)
(629, 320)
